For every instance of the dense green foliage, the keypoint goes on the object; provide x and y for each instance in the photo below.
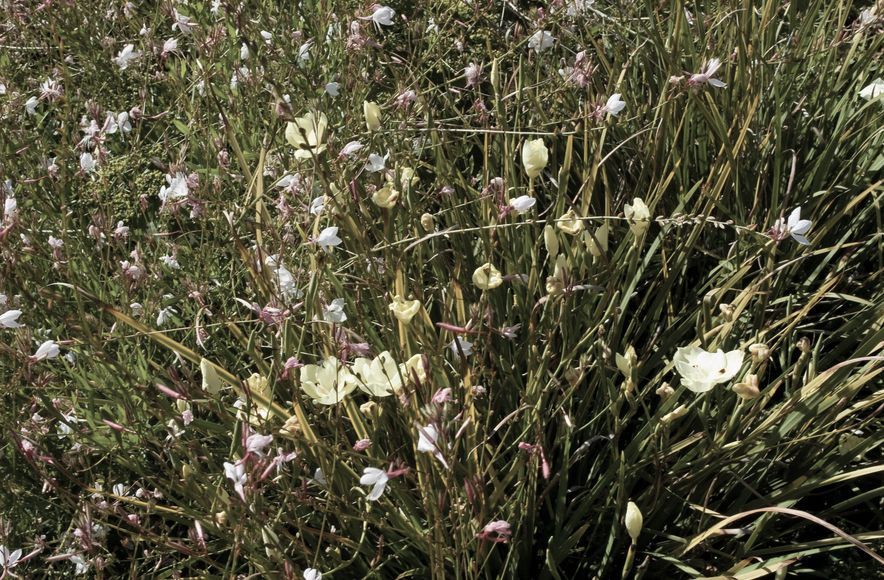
(565, 404)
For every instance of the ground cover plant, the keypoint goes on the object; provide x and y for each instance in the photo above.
(455, 289)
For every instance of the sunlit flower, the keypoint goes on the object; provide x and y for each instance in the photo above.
(328, 238)
(372, 113)
(334, 312)
(597, 244)
(377, 478)
(540, 41)
(428, 442)
(236, 472)
(534, 157)
(498, 531)
(9, 319)
(404, 310)
(307, 135)
(707, 74)
(327, 383)
(332, 88)
(312, 574)
(487, 277)
(126, 56)
(382, 16)
(638, 216)
(350, 149)
(182, 22)
(375, 163)
(794, 226)
(283, 278)
(211, 382)
(873, 90)
(459, 345)
(49, 349)
(523, 203)
(176, 188)
(244, 52)
(381, 376)
(633, 521)
(165, 315)
(701, 370)
(256, 443)
(570, 223)
(8, 560)
(385, 197)
(747, 389)
(614, 105)
(473, 74)
(87, 162)
(31, 105)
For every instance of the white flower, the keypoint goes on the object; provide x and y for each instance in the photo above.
(523, 203)
(182, 22)
(638, 215)
(705, 76)
(47, 350)
(376, 163)
(328, 238)
(126, 56)
(383, 16)
(327, 383)
(9, 559)
(170, 262)
(540, 41)
(176, 187)
(165, 315)
(614, 105)
(123, 122)
(376, 477)
(334, 312)
(350, 149)
(137, 309)
(534, 157)
(307, 135)
(255, 443)
(236, 472)
(31, 106)
(701, 370)
(312, 574)
(794, 226)
(332, 89)
(428, 441)
(82, 566)
(10, 208)
(304, 51)
(633, 521)
(285, 280)
(463, 344)
(87, 162)
(317, 205)
(873, 90)
(372, 113)
(244, 51)
(9, 319)
(170, 46)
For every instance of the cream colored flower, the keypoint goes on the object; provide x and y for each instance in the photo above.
(258, 385)
(328, 383)
(639, 216)
(626, 361)
(372, 113)
(428, 223)
(211, 381)
(873, 90)
(633, 521)
(534, 157)
(701, 370)
(486, 277)
(570, 223)
(382, 377)
(748, 388)
(550, 241)
(307, 135)
(404, 310)
(408, 178)
(599, 245)
(385, 197)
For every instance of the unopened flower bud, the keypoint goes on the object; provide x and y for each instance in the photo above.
(759, 351)
(551, 241)
(804, 345)
(727, 311)
(679, 412)
(748, 389)
(427, 223)
(664, 391)
(633, 521)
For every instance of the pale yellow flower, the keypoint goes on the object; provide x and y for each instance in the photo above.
(404, 310)
(486, 277)
(570, 223)
(307, 135)
(328, 383)
(638, 215)
(534, 157)
(385, 197)
(372, 113)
